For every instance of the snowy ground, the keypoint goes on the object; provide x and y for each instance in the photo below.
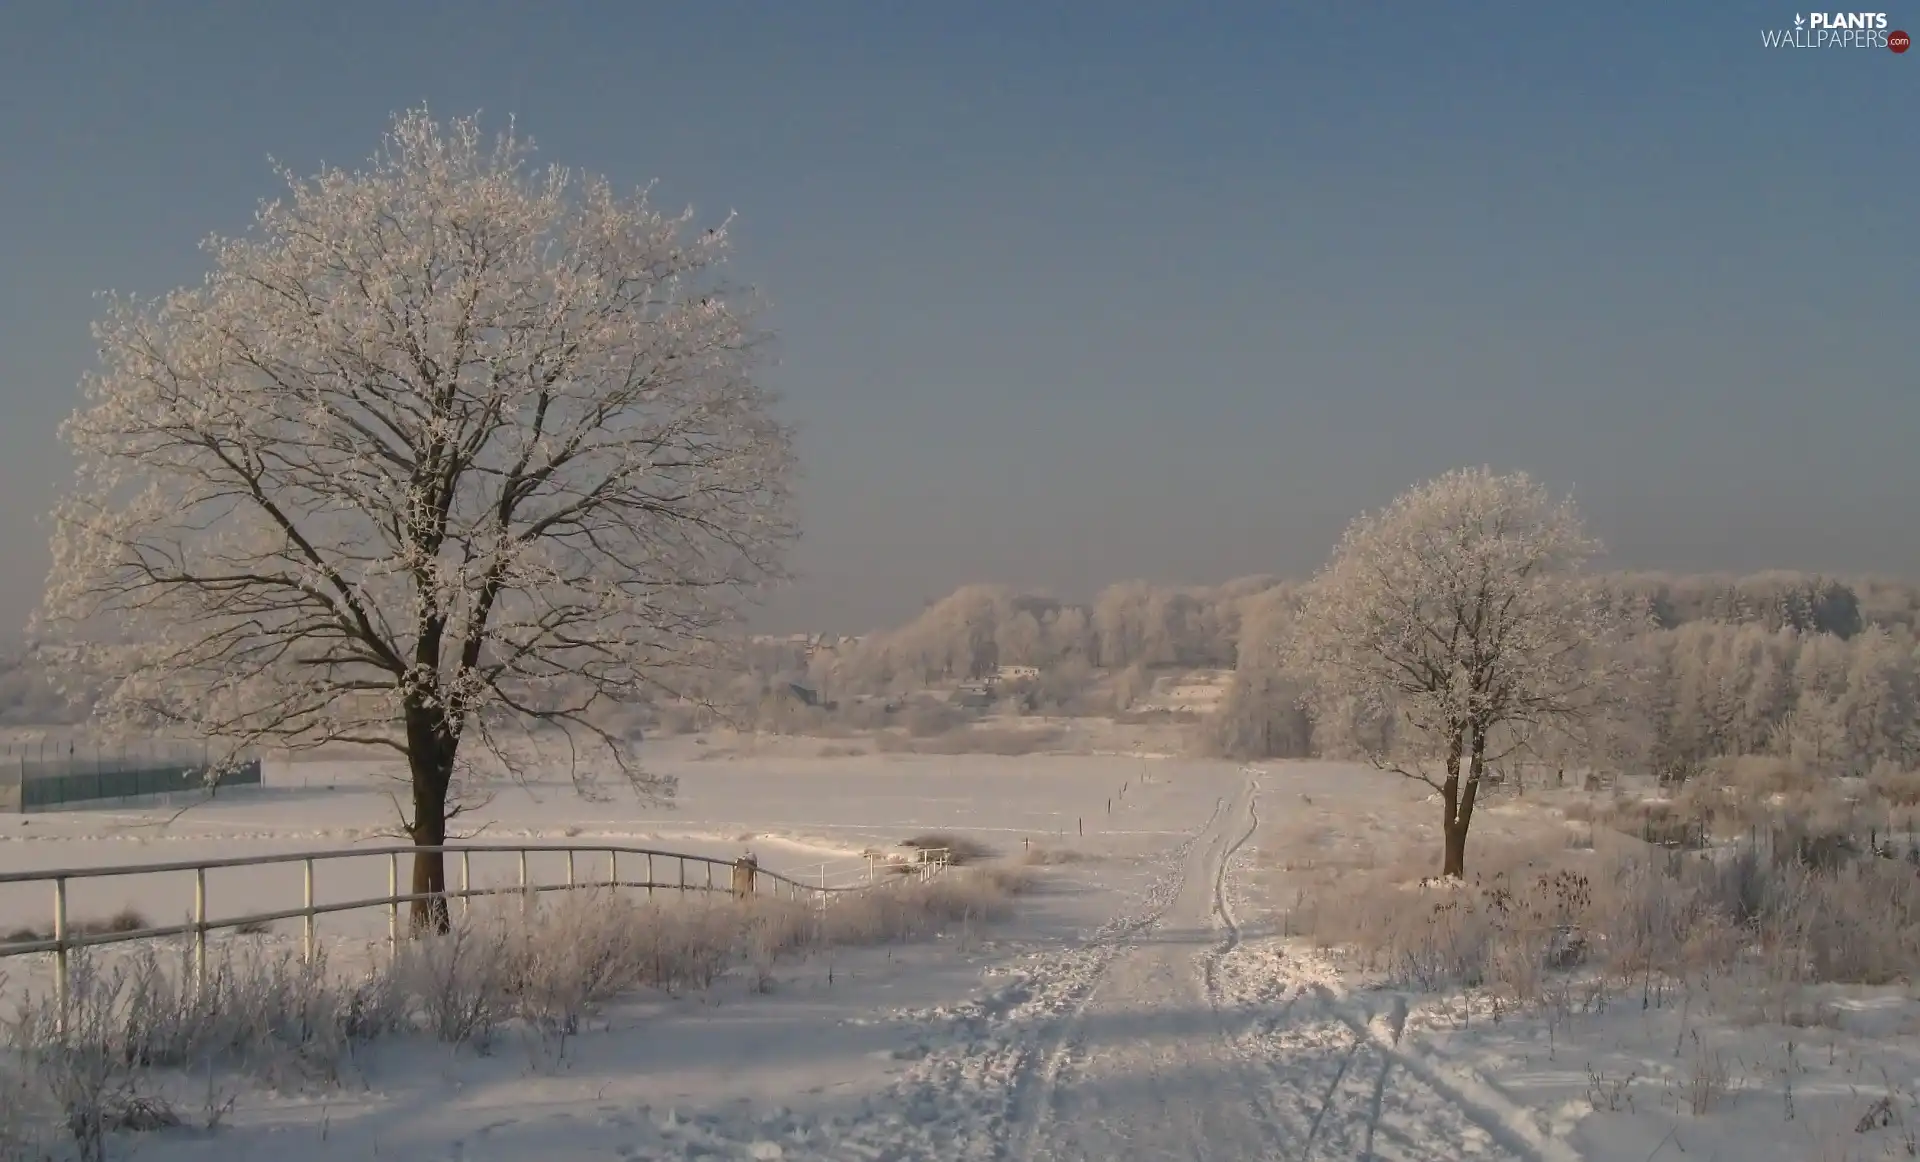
(796, 812)
(1146, 1003)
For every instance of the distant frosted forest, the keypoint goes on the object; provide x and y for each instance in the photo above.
(1824, 671)
(1816, 669)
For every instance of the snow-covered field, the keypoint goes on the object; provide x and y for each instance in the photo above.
(1145, 1002)
(797, 813)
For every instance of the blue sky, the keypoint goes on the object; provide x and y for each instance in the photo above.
(1073, 293)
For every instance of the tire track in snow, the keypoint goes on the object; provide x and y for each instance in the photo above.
(1334, 1085)
(987, 1070)
(1232, 938)
(1374, 1109)
(1128, 1047)
(1326, 1099)
(1506, 1125)
(1223, 904)
(1165, 1077)
(1030, 1120)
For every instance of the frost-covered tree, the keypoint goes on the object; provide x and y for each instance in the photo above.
(443, 449)
(1018, 640)
(1462, 615)
(1119, 622)
(1262, 714)
(1880, 705)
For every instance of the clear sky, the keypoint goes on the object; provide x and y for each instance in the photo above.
(1070, 294)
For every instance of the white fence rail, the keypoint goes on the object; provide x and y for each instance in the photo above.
(596, 865)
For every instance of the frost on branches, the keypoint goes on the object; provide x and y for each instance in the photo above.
(1456, 628)
(442, 449)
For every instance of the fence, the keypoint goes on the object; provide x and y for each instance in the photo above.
(741, 877)
(41, 776)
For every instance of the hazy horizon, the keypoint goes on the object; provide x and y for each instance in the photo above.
(1079, 295)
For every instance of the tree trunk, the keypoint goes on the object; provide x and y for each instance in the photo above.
(1453, 851)
(1460, 811)
(1453, 863)
(430, 761)
(430, 876)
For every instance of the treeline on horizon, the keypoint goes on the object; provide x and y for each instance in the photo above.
(1821, 670)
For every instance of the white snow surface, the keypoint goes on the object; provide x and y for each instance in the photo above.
(1143, 1003)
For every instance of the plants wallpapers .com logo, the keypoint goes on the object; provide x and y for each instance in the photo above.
(1838, 30)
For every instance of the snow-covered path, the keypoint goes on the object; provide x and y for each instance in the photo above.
(1173, 1034)
(1149, 1067)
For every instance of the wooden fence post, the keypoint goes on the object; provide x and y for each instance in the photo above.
(306, 921)
(199, 929)
(393, 902)
(61, 980)
(526, 885)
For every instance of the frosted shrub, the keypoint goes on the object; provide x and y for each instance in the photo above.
(20, 1120)
(909, 910)
(1637, 917)
(686, 945)
(90, 1080)
(591, 946)
(139, 1028)
(1647, 917)
(458, 979)
(1863, 924)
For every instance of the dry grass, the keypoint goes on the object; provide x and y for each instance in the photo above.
(1736, 798)
(1159, 717)
(127, 919)
(142, 1041)
(1895, 788)
(1622, 914)
(1664, 822)
(1042, 855)
(966, 896)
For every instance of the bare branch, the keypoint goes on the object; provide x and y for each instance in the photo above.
(442, 444)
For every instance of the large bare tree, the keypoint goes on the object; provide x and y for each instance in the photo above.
(1458, 625)
(444, 449)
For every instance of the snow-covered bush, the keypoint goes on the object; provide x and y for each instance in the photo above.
(1622, 914)
(143, 1047)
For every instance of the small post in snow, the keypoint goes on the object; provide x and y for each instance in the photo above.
(393, 901)
(744, 871)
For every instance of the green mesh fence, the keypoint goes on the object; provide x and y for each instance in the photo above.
(49, 783)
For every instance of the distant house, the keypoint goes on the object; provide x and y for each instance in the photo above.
(1018, 673)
